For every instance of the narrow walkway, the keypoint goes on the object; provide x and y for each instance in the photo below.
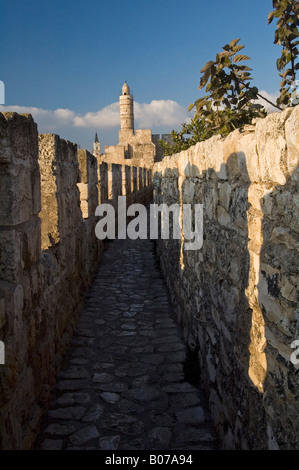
(122, 382)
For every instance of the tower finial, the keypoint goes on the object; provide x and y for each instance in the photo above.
(96, 140)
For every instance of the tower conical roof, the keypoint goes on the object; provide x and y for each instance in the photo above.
(125, 89)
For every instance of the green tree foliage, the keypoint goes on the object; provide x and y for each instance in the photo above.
(190, 134)
(286, 35)
(228, 104)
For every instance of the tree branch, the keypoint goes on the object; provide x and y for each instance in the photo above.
(268, 101)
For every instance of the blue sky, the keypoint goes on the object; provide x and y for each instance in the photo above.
(65, 61)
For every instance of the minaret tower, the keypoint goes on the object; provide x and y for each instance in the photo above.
(126, 111)
(96, 146)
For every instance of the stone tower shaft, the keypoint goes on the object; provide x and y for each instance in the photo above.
(126, 109)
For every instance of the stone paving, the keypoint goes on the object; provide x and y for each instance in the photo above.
(122, 383)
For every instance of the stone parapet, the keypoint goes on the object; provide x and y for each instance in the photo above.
(49, 255)
(237, 297)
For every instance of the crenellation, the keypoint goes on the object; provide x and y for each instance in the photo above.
(49, 255)
(237, 296)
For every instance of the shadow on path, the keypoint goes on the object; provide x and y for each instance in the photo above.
(122, 384)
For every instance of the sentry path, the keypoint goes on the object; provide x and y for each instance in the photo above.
(122, 384)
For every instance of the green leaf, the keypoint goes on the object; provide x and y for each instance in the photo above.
(240, 57)
(207, 66)
(204, 79)
(238, 48)
(271, 16)
(234, 42)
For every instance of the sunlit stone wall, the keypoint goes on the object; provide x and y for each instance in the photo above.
(237, 296)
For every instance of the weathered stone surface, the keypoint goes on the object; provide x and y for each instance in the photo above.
(84, 436)
(110, 397)
(52, 444)
(70, 412)
(126, 398)
(60, 430)
(123, 423)
(48, 258)
(161, 436)
(194, 415)
(236, 296)
(109, 443)
(94, 413)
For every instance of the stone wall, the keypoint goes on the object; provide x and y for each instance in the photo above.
(138, 148)
(237, 297)
(48, 257)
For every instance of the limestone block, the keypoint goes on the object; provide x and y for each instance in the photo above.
(256, 195)
(237, 161)
(2, 312)
(286, 206)
(18, 141)
(234, 155)
(68, 176)
(83, 165)
(271, 147)
(19, 197)
(292, 139)
(49, 221)
(210, 200)
(282, 236)
(83, 188)
(239, 207)
(223, 217)
(250, 166)
(84, 198)
(233, 165)
(184, 165)
(282, 347)
(288, 289)
(224, 195)
(255, 228)
(5, 149)
(18, 300)
(276, 311)
(10, 255)
(211, 151)
(31, 242)
(187, 191)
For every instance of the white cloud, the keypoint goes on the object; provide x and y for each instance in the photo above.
(271, 97)
(166, 113)
(47, 120)
(156, 114)
(160, 113)
(105, 117)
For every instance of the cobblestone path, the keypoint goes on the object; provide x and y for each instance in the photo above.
(122, 383)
